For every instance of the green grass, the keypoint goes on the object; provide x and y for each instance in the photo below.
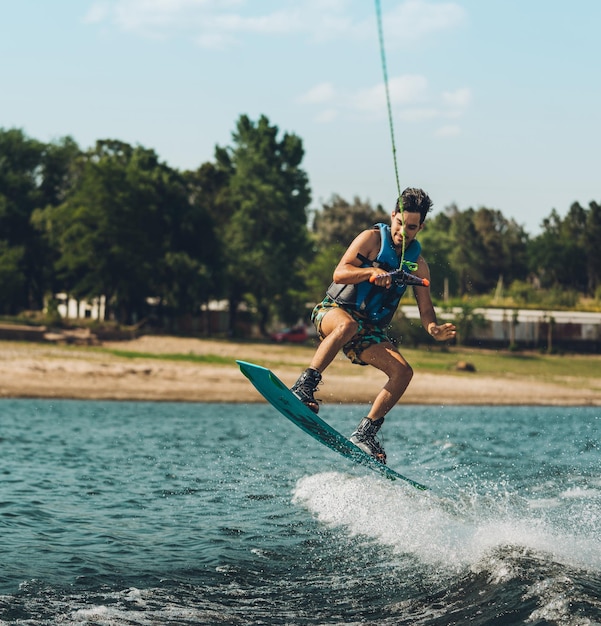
(487, 362)
(497, 363)
(211, 359)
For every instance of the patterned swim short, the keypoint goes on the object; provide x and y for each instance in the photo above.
(367, 334)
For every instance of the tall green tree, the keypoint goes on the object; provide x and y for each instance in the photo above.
(335, 225)
(193, 258)
(265, 233)
(338, 222)
(472, 249)
(468, 253)
(32, 175)
(437, 245)
(557, 255)
(592, 247)
(505, 245)
(128, 231)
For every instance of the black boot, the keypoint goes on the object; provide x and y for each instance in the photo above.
(365, 438)
(306, 386)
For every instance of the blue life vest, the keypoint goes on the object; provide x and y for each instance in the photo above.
(377, 304)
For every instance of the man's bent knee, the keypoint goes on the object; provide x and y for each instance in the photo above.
(341, 324)
(402, 372)
(349, 327)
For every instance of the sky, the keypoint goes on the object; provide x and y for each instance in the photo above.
(495, 103)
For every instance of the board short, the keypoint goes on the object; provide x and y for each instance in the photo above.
(367, 335)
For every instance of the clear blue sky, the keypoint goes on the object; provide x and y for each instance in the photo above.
(496, 103)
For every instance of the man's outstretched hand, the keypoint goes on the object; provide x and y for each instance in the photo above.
(442, 332)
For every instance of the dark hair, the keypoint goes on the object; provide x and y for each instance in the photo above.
(414, 200)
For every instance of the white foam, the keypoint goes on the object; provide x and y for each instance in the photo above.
(580, 492)
(544, 503)
(94, 613)
(438, 532)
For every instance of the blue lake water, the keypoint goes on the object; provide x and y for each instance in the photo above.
(168, 513)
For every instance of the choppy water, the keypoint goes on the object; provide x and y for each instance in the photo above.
(151, 513)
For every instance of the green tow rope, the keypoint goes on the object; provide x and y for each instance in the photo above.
(408, 264)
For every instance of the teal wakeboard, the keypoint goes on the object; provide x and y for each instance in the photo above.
(279, 396)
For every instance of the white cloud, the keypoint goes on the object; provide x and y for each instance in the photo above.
(407, 89)
(404, 90)
(223, 22)
(410, 96)
(277, 23)
(98, 12)
(162, 18)
(215, 22)
(323, 92)
(416, 19)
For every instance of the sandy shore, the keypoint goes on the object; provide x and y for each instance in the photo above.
(36, 370)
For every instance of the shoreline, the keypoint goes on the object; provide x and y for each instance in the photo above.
(50, 371)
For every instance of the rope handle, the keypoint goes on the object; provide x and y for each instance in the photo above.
(402, 277)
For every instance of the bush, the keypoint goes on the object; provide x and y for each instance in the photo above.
(407, 332)
(52, 317)
(523, 293)
(561, 298)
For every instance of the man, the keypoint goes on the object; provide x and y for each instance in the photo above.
(360, 304)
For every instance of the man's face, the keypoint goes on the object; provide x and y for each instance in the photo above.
(408, 231)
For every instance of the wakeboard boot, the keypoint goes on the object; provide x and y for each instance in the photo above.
(306, 386)
(365, 438)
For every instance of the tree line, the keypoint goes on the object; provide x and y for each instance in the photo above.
(116, 221)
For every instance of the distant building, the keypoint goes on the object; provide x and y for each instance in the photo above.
(70, 308)
(529, 328)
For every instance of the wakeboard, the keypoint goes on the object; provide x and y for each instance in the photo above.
(280, 397)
